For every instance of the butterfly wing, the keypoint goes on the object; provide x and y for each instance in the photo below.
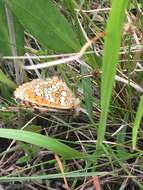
(51, 93)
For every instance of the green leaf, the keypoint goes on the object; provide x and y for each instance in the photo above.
(10, 27)
(4, 35)
(120, 139)
(88, 92)
(45, 22)
(19, 36)
(23, 159)
(41, 140)
(6, 80)
(72, 174)
(139, 115)
(33, 128)
(110, 61)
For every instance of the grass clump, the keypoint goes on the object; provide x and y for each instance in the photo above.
(96, 48)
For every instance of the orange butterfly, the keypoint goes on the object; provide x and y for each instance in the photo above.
(50, 93)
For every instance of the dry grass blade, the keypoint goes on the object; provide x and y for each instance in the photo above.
(66, 60)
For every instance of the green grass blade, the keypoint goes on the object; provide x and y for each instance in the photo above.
(16, 35)
(87, 90)
(139, 115)
(19, 36)
(54, 176)
(4, 35)
(110, 60)
(41, 140)
(45, 22)
(5, 41)
(6, 80)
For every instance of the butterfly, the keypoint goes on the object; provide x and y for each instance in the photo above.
(51, 93)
